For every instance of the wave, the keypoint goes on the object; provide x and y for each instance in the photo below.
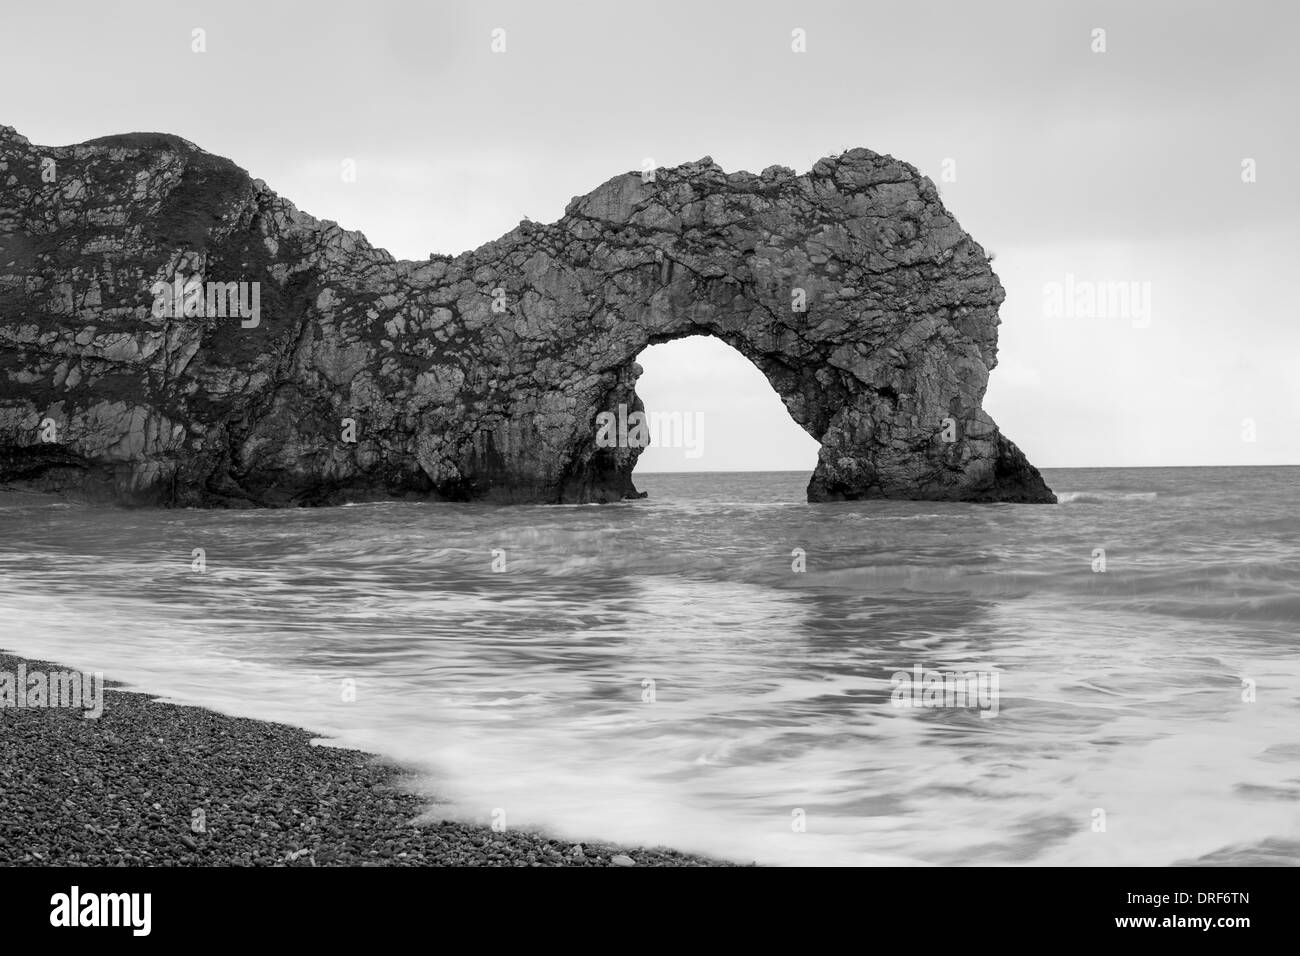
(1102, 497)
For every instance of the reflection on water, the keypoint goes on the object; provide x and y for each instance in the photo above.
(655, 672)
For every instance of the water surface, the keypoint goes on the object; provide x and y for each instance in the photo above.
(527, 689)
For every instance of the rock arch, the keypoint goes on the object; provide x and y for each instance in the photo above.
(480, 376)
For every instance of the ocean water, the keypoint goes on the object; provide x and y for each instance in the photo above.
(1158, 696)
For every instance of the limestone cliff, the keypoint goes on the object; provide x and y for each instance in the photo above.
(350, 375)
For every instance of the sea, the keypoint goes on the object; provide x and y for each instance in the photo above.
(726, 669)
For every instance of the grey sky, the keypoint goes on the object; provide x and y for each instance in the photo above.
(1122, 166)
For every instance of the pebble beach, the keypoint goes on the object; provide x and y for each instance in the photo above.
(151, 783)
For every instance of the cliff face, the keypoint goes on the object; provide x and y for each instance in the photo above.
(333, 371)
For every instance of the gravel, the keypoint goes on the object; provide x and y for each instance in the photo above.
(155, 784)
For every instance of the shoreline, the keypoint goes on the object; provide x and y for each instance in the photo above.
(150, 783)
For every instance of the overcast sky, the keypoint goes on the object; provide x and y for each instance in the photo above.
(1116, 166)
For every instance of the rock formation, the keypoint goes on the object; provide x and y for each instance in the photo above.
(350, 375)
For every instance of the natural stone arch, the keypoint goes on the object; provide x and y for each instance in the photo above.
(480, 376)
(892, 350)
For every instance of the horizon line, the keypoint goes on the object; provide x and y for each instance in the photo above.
(801, 471)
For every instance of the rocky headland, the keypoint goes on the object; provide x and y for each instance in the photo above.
(172, 332)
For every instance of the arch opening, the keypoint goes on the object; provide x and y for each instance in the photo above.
(709, 409)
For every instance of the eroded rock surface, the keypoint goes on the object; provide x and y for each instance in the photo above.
(479, 376)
